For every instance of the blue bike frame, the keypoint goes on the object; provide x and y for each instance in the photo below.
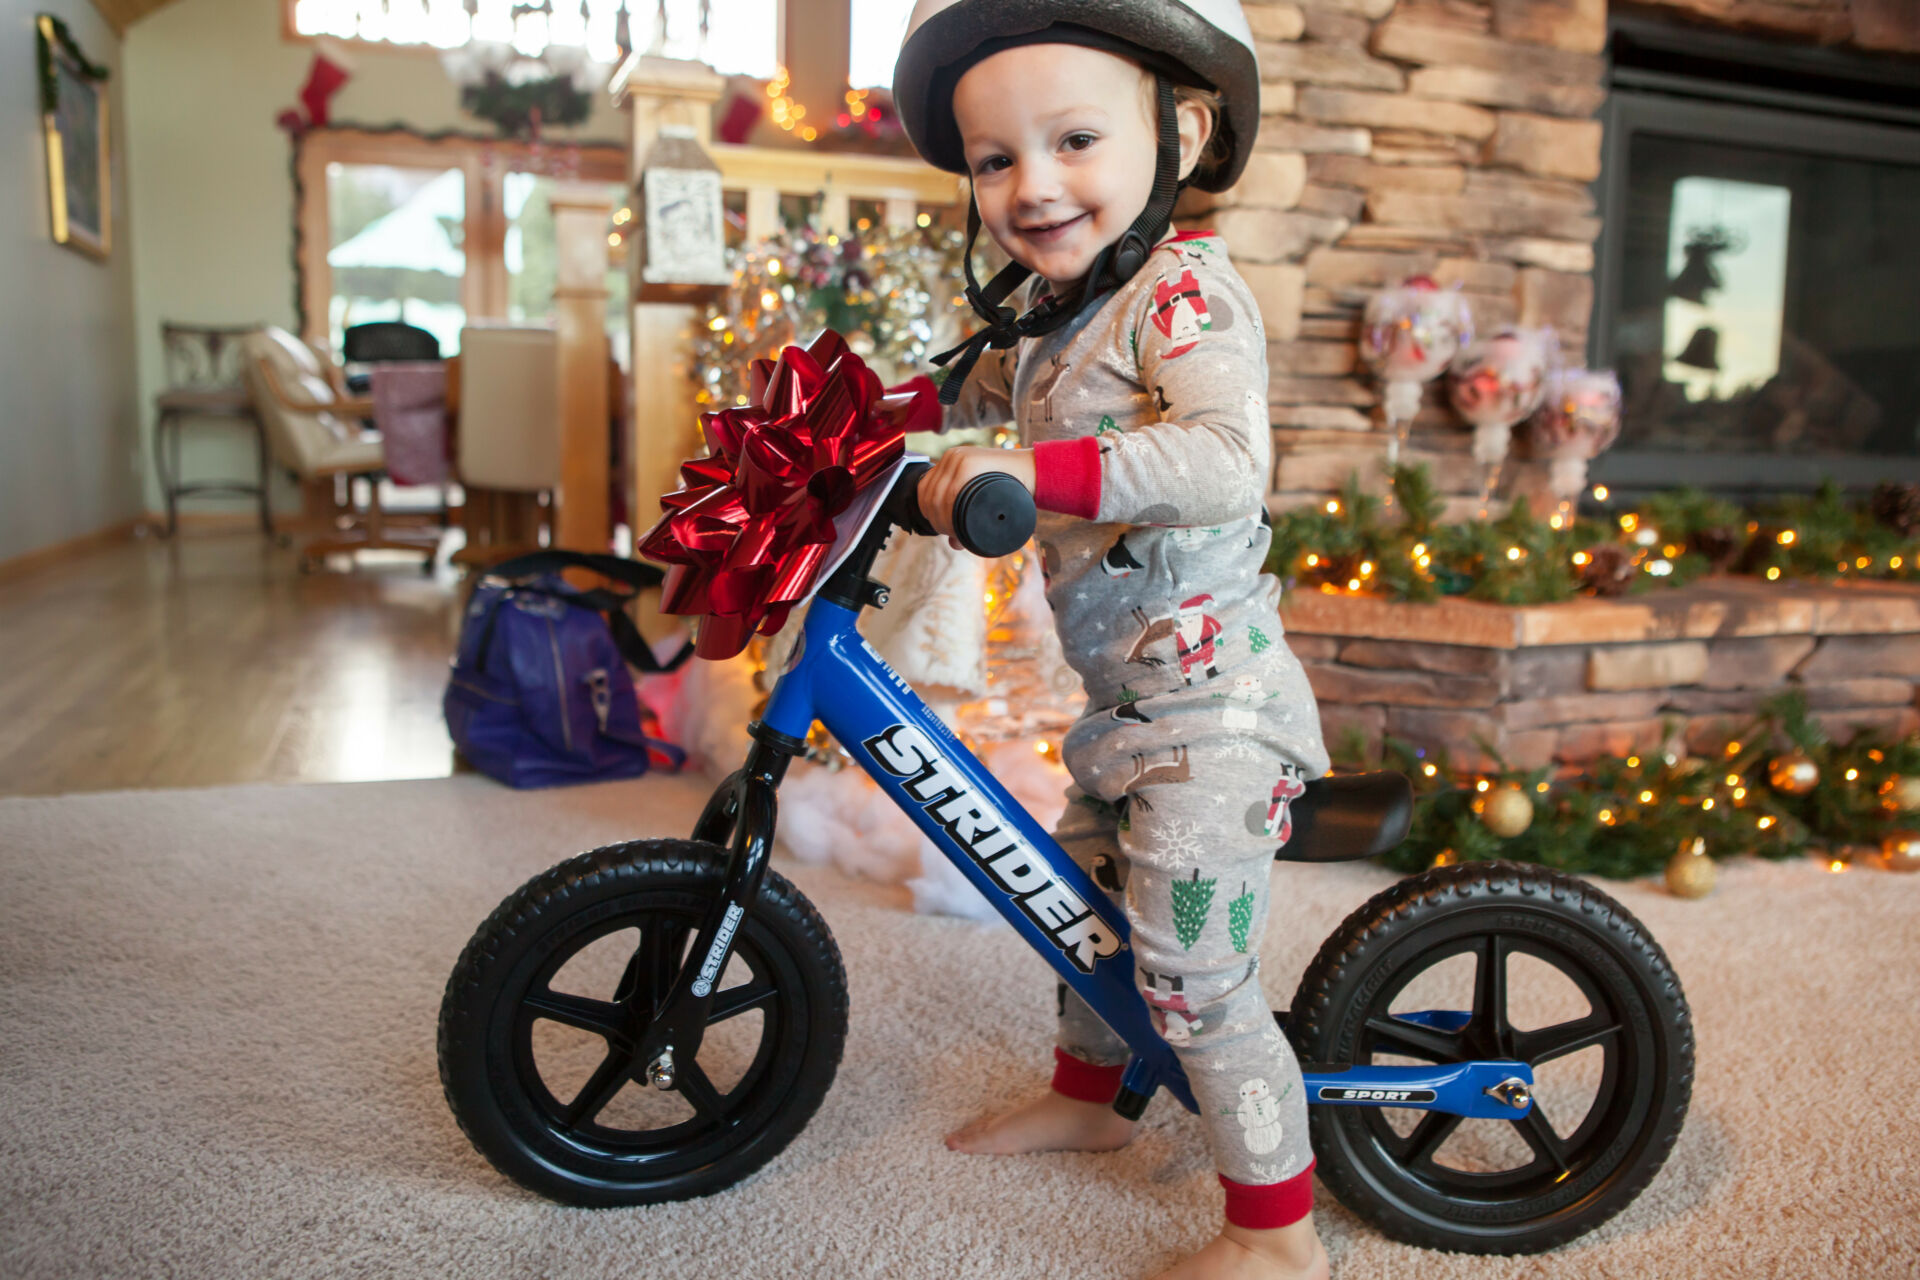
(838, 679)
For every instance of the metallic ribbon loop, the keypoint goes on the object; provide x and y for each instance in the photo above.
(746, 533)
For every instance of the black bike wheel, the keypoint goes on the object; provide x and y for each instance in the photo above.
(536, 1054)
(1498, 1186)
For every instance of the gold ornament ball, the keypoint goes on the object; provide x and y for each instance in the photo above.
(1690, 872)
(1906, 793)
(1900, 851)
(1508, 812)
(1793, 774)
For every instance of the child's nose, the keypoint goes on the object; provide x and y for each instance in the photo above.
(1039, 184)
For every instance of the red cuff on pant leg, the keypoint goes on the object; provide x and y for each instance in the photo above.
(1280, 1204)
(1074, 1078)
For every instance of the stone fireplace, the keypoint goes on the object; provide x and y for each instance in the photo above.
(1466, 139)
(1572, 165)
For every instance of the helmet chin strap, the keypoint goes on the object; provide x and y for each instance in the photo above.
(1115, 265)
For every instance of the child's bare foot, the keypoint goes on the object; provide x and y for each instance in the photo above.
(1051, 1122)
(1239, 1253)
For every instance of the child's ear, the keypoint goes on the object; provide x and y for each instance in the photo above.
(1196, 127)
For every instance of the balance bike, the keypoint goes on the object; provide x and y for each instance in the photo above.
(656, 1020)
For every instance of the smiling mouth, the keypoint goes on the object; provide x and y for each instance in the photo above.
(1051, 230)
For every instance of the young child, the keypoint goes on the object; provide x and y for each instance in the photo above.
(1138, 380)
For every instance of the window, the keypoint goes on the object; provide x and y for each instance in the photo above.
(741, 39)
(437, 232)
(396, 248)
(740, 36)
(878, 28)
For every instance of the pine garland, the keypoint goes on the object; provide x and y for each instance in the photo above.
(510, 107)
(1627, 817)
(49, 81)
(1353, 544)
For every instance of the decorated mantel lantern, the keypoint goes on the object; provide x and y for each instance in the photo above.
(682, 252)
(1578, 419)
(1495, 383)
(1411, 334)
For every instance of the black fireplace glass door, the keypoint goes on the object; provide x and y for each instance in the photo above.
(1764, 306)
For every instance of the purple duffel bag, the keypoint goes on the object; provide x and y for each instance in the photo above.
(540, 693)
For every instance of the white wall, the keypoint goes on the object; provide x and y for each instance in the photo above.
(69, 425)
(212, 180)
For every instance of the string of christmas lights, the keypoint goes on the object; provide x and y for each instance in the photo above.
(1777, 789)
(1356, 544)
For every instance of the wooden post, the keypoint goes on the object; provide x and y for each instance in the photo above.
(656, 92)
(580, 218)
(816, 43)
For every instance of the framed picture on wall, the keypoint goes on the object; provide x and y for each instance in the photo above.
(73, 110)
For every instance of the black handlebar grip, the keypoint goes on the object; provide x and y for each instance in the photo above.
(903, 503)
(994, 515)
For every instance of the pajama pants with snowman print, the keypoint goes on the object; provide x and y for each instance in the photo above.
(1152, 449)
(1179, 825)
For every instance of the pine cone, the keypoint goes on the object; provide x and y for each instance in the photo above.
(1608, 570)
(1897, 506)
(1720, 545)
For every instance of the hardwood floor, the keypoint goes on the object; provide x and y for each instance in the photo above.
(210, 659)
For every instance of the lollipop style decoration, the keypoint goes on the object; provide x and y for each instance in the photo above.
(1578, 420)
(1494, 384)
(1411, 334)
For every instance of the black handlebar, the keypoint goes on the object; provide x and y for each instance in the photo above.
(993, 516)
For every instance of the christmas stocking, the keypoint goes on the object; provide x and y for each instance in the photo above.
(331, 69)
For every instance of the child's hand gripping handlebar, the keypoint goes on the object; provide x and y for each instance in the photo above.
(992, 516)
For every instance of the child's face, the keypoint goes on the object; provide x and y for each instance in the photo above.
(1061, 141)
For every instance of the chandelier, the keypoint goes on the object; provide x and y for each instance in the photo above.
(526, 67)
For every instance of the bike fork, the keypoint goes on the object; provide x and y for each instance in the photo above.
(740, 815)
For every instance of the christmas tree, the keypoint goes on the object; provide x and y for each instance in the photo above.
(1240, 916)
(1191, 899)
(1257, 641)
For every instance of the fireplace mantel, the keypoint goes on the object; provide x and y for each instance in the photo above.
(1567, 683)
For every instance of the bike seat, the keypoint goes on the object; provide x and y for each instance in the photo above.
(1349, 816)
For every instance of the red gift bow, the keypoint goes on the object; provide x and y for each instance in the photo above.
(748, 530)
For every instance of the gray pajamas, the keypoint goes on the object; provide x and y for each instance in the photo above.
(1200, 727)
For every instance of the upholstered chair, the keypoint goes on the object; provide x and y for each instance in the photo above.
(316, 433)
(508, 451)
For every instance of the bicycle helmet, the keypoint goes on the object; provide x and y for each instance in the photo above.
(1206, 43)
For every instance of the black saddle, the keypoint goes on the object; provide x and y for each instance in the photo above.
(1349, 816)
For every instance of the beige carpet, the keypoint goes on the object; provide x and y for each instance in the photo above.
(217, 1061)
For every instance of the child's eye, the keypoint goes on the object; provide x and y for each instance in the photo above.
(992, 164)
(1079, 141)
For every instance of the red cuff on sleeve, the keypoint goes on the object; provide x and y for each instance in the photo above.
(1066, 476)
(923, 412)
(1074, 1078)
(1280, 1204)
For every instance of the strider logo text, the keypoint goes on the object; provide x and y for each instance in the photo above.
(990, 840)
(710, 969)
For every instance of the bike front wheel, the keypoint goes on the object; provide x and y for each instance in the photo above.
(1498, 960)
(537, 1043)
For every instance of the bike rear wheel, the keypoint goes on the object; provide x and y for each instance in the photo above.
(1612, 1082)
(538, 1029)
